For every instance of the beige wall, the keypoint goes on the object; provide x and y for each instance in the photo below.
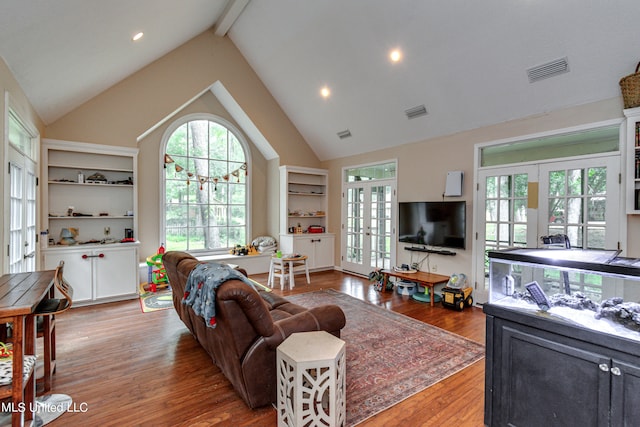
(19, 101)
(422, 169)
(126, 111)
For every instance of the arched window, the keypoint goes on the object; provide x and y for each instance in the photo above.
(205, 185)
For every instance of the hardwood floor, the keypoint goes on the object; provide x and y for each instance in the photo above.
(126, 368)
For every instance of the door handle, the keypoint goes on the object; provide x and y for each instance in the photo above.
(85, 256)
(31, 255)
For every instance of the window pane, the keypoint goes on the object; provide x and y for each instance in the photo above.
(505, 186)
(236, 153)
(597, 181)
(491, 187)
(237, 193)
(521, 187)
(197, 138)
(557, 183)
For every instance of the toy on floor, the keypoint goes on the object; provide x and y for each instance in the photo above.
(157, 273)
(456, 294)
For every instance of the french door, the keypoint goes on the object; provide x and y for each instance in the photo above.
(22, 206)
(505, 218)
(368, 225)
(517, 205)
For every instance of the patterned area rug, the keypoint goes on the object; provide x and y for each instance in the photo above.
(390, 356)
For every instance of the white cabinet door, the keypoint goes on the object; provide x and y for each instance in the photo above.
(318, 247)
(323, 251)
(77, 271)
(97, 274)
(116, 272)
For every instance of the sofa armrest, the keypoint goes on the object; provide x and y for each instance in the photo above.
(329, 318)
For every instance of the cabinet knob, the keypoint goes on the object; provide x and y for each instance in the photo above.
(604, 367)
(616, 371)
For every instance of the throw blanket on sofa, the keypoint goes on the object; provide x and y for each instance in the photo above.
(200, 290)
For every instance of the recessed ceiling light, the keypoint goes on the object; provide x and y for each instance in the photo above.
(137, 36)
(395, 55)
(325, 92)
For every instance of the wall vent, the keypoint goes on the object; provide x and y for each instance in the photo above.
(344, 134)
(550, 69)
(414, 112)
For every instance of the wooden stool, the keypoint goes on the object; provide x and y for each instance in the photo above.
(286, 266)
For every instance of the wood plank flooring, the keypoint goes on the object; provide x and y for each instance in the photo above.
(123, 367)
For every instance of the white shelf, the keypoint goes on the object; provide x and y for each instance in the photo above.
(61, 162)
(76, 167)
(103, 217)
(92, 184)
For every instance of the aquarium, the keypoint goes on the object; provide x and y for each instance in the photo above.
(594, 289)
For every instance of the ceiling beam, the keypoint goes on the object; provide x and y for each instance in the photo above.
(229, 15)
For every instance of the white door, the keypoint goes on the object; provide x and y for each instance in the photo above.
(504, 217)
(368, 230)
(579, 199)
(22, 218)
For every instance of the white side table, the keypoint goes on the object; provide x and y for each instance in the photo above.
(311, 380)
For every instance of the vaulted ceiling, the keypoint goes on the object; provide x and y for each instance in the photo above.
(466, 62)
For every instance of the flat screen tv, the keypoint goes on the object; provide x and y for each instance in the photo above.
(440, 224)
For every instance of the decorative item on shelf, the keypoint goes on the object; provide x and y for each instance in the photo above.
(68, 236)
(630, 87)
(315, 229)
(298, 229)
(203, 179)
(96, 178)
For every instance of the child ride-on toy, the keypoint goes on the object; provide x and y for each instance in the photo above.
(456, 294)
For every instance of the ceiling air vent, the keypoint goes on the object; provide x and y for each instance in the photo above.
(550, 69)
(344, 134)
(414, 112)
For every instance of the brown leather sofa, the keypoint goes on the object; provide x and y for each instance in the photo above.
(250, 325)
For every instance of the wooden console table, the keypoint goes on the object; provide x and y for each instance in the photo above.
(428, 280)
(20, 294)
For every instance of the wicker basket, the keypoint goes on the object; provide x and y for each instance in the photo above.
(630, 86)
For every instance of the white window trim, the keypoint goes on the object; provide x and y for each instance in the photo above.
(163, 146)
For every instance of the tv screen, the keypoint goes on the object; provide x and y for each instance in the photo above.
(433, 223)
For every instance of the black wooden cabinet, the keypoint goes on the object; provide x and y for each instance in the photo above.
(540, 372)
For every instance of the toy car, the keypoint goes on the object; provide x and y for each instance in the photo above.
(457, 298)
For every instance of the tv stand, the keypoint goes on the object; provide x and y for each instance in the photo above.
(431, 251)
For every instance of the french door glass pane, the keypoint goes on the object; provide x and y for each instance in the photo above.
(16, 221)
(506, 212)
(577, 205)
(354, 220)
(380, 227)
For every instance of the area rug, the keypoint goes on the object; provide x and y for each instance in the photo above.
(161, 299)
(390, 356)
